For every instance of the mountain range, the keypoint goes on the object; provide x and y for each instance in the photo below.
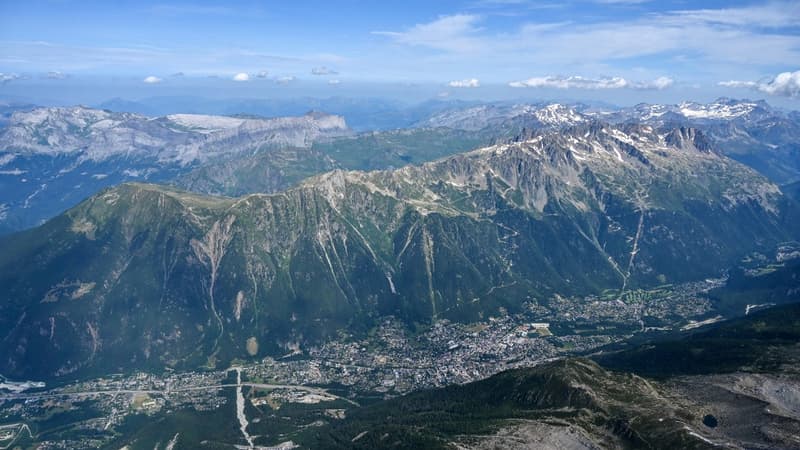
(51, 158)
(751, 132)
(146, 276)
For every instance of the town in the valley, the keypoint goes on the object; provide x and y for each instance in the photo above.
(390, 361)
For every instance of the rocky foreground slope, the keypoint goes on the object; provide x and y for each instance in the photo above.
(147, 276)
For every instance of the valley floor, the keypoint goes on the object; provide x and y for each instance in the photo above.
(321, 383)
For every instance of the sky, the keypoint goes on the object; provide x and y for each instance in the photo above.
(619, 51)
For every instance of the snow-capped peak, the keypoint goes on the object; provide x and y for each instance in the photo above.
(716, 110)
(558, 115)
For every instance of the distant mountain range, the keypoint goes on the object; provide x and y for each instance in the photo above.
(492, 116)
(362, 114)
(145, 276)
(51, 158)
(751, 132)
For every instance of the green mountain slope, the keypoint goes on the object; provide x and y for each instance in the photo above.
(589, 406)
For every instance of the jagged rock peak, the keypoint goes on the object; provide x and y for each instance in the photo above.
(688, 138)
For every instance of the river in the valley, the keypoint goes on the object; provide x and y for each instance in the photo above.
(240, 409)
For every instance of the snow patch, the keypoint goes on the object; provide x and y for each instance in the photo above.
(715, 110)
(205, 122)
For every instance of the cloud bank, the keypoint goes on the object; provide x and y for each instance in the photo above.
(241, 77)
(468, 83)
(456, 33)
(716, 39)
(152, 80)
(323, 71)
(786, 84)
(579, 82)
(8, 77)
(56, 75)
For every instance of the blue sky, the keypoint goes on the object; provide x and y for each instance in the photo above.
(604, 49)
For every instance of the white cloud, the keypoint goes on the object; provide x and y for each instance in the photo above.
(152, 80)
(700, 44)
(284, 80)
(183, 10)
(773, 15)
(323, 71)
(786, 84)
(56, 75)
(468, 83)
(578, 82)
(6, 77)
(716, 39)
(241, 77)
(334, 82)
(657, 84)
(457, 33)
(499, 2)
(738, 84)
(621, 2)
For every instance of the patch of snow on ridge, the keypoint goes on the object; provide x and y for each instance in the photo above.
(557, 114)
(654, 111)
(715, 110)
(206, 122)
